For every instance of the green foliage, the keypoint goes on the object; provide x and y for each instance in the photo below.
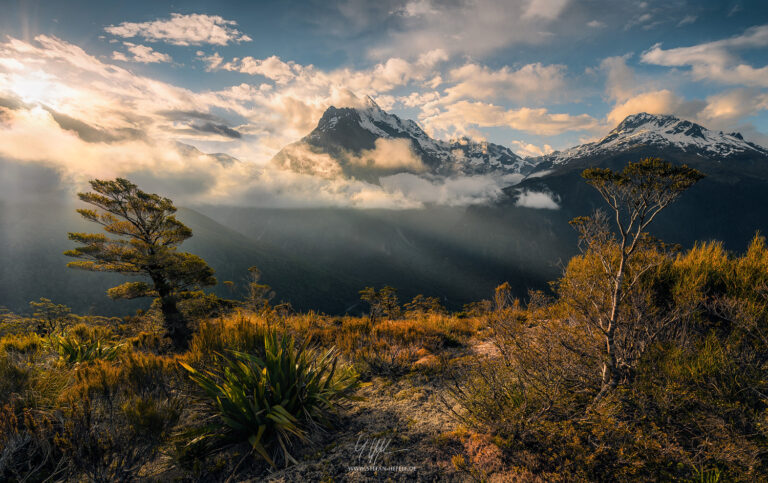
(147, 235)
(695, 344)
(274, 399)
(73, 350)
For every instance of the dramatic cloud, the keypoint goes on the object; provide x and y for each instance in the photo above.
(194, 29)
(716, 61)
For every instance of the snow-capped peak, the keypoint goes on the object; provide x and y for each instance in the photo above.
(348, 131)
(662, 131)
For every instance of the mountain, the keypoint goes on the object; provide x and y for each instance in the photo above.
(368, 143)
(726, 205)
(676, 138)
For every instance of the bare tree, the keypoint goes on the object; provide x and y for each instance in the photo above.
(635, 196)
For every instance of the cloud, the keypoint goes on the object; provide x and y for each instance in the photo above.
(735, 104)
(471, 27)
(656, 102)
(595, 24)
(620, 81)
(272, 67)
(525, 149)
(220, 129)
(390, 154)
(193, 29)
(382, 77)
(532, 81)
(716, 61)
(456, 117)
(141, 53)
(537, 200)
(447, 191)
(688, 19)
(549, 9)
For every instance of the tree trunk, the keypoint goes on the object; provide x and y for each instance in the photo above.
(176, 327)
(610, 371)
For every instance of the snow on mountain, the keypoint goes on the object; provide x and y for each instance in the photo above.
(368, 142)
(662, 132)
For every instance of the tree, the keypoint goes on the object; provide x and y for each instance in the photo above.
(423, 305)
(635, 196)
(384, 302)
(147, 235)
(259, 294)
(50, 316)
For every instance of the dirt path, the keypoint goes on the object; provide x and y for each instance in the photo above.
(392, 434)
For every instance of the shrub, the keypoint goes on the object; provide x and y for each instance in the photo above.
(274, 399)
(75, 351)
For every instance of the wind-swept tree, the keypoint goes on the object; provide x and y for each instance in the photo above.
(147, 235)
(635, 196)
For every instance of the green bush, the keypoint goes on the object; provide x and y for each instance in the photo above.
(75, 351)
(274, 399)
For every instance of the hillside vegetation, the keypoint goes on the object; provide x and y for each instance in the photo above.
(644, 362)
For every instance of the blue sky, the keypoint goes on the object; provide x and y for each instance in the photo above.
(246, 78)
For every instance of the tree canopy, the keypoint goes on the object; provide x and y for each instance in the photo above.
(147, 235)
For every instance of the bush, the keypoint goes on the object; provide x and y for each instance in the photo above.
(269, 401)
(75, 351)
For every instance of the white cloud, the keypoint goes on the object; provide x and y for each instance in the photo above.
(716, 61)
(193, 29)
(450, 191)
(537, 199)
(272, 67)
(595, 24)
(526, 149)
(141, 53)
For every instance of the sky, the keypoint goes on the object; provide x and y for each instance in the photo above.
(150, 89)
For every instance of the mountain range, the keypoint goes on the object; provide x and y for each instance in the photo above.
(318, 258)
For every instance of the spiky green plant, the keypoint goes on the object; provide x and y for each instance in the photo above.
(271, 401)
(75, 351)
